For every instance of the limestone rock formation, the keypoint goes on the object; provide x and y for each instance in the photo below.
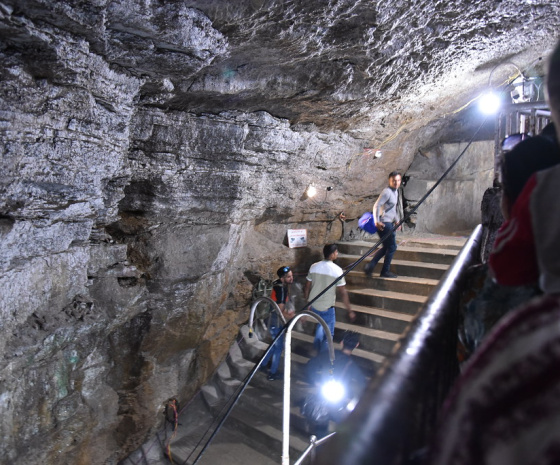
(155, 153)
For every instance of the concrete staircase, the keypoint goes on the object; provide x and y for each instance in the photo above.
(385, 307)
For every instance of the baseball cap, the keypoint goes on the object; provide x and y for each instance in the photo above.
(283, 271)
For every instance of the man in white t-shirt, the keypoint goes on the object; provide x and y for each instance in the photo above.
(320, 276)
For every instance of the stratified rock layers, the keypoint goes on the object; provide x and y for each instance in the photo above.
(154, 155)
(125, 234)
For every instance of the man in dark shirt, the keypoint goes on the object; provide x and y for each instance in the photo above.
(346, 372)
(281, 295)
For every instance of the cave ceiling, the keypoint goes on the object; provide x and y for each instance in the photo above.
(154, 153)
(364, 66)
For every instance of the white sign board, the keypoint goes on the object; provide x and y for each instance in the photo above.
(297, 238)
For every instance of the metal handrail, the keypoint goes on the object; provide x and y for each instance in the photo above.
(313, 443)
(286, 329)
(287, 376)
(398, 411)
(249, 376)
(275, 307)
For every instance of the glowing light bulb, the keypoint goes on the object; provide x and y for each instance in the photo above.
(352, 405)
(489, 103)
(332, 390)
(311, 191)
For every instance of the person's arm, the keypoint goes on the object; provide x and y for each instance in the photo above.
(381, 200)
(344, 295)
(307, 290)
(281, 296)
(287, 310)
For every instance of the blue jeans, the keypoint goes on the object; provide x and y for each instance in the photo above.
(388, 249)
(276, 352)
(320, 341)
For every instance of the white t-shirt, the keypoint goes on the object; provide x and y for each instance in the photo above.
(321, 275)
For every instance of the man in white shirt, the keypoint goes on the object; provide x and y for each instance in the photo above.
(320, 276)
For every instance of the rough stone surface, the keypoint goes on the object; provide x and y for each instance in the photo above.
(154, 155)
(455, 205)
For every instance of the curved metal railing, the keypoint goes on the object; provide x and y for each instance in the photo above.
(287, 329)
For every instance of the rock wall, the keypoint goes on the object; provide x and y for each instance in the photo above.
(154, 155)
(128, 238)
(455, 205)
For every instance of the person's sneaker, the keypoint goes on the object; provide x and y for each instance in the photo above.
(388, 274)
(274, 376)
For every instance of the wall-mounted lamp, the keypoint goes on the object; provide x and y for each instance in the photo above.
(330, 188)
(371, 151)
(311, 191)
(490, 102)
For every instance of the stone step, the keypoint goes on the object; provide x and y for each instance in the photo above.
(257, 417)
(269, 399)
(247, 430)
(370, 362)
(426, 254)
(251, 345)
(297, 367)
(262, 433)
(388, 300)
(434, 242)
(376, 318)
(404, 252)
(400, 267)
(408, 284)
(373, 341)
(230, 446)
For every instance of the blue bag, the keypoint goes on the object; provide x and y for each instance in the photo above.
(366, 223)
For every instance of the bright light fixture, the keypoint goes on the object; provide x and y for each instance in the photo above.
(489, 103)
(333, 390)
(311, 191)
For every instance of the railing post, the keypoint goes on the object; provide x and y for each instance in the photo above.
(287, 374)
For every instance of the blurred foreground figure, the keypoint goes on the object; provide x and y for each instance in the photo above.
(505, 409)
(317, 408)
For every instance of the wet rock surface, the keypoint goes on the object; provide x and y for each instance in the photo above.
(154, 155)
